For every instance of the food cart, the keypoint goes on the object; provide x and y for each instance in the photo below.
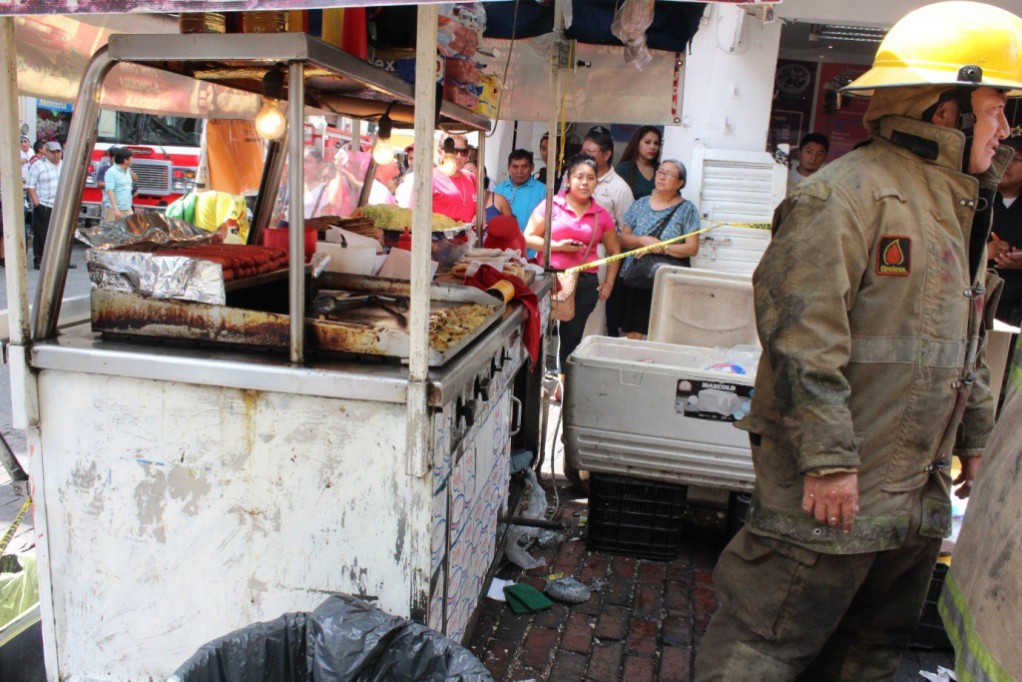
(224, 467)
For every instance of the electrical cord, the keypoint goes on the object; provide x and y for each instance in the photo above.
(507, 66)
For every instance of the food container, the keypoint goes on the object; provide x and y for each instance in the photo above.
(278, 237)
(264, 22)
(201, 22)
(446, 250)
(353, 260)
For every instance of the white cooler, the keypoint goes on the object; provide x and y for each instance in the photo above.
(666, 411)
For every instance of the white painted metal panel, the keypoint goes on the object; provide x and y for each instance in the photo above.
(732, 186)
(188, 511)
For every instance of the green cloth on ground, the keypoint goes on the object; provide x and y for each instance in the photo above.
(524, 598)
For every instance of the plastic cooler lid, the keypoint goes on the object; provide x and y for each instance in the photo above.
(702, 308)
(631, 357)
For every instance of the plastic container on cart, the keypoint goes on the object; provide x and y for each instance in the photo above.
(279, 237)
(700, 308)
(652, 410)
(635, 517)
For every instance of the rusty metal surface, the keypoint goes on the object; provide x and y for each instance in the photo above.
(128, 314)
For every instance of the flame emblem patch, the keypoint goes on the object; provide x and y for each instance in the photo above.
(894, 256)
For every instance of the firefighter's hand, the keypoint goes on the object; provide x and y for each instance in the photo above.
(970, 467)
(1009, 260)
(833, 498)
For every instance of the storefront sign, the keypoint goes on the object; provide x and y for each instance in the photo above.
(54, 106)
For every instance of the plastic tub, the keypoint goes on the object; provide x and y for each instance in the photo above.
(277, 237)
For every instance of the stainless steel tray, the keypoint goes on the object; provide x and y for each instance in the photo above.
(391, 338)
(368, 334)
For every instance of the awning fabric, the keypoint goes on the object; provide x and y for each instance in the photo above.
(674, 23)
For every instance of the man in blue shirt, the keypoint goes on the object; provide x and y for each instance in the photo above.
(521, 190)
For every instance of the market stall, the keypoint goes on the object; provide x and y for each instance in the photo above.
(231, 461)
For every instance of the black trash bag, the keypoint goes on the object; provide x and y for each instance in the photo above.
(344, 640)
(349, 639)
(273, 652)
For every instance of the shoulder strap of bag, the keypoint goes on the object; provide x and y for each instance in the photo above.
(592, 240)
(666, 220)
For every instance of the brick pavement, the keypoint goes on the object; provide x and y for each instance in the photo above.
(644, 624)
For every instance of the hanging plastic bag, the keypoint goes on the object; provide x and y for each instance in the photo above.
(537, 498)
(630, 24)
(521, 538)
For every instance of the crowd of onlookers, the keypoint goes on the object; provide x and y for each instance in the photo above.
(41, 166)
(40, 171)
(600, 207)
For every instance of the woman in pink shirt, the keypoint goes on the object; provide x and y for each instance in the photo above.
(577, 225)
(453, 195)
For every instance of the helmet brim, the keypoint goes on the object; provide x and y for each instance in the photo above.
(881, 77)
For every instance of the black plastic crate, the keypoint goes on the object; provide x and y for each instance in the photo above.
(634, 517)
(929, 633)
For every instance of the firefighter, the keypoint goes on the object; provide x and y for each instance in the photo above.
(983, 591)
(870, 307)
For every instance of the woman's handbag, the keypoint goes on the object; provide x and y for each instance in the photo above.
(562, 302)
(642, 272)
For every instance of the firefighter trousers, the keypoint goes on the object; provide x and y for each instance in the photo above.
(788, 613)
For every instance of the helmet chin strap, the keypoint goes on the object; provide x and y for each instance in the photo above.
(966, 117)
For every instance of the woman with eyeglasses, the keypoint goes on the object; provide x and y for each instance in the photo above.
(639, 161)
(664, 208)
(454, 195)
(577, 225)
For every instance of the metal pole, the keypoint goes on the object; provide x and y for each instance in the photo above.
(296, 208)
(269, 186)
(60, 235)
(367, 184)
(10, 167)
(11, 463)
(356, 134)
(551, 154)
(481, 190)
(422, 219)
(24, 384)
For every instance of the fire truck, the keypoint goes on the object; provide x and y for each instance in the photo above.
(165, 158)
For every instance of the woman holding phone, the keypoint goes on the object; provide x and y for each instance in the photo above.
(577, 225)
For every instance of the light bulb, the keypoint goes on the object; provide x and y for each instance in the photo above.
(270, 122)
(447, 166)
(383, 153)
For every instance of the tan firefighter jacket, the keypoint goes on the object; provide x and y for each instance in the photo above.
(863, 307)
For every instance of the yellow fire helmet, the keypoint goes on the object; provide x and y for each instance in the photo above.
(948, 43)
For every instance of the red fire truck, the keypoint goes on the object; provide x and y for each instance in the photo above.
(165, 157)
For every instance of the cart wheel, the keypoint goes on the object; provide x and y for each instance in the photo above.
(579, 478)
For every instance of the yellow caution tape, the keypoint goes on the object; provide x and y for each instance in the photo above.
(660, 245)
(9, 535)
